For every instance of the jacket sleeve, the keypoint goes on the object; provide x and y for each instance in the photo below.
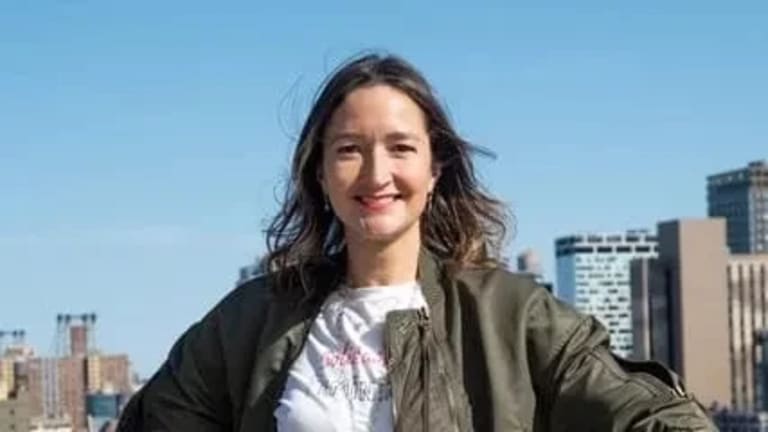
(584, 387)
(188, 392)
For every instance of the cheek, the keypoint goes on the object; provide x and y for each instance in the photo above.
(335, 174)
(419, 180)
(337, 184)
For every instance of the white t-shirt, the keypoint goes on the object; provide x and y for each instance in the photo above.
(339, 382)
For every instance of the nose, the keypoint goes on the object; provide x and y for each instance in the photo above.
(376, 169)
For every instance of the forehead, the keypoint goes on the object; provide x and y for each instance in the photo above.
(377, 109)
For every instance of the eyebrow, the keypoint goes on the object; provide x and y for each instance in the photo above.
(400, 136)
(390, 137)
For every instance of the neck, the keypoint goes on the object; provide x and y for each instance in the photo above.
(372, 263)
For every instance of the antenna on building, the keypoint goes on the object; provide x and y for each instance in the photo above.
(17, 338)
(90, 325)
(52, 406)
(75, 336)
(62, 340)
(75, 333)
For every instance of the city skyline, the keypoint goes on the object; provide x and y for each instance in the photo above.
(142, 151)
(80, 388)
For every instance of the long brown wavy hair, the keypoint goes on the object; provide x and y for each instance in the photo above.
(463, 225)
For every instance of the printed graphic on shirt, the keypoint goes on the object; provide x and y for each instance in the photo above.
(340, 380)
(340, 375)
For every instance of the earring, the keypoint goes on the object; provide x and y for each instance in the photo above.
(326, 204)
(430, 197)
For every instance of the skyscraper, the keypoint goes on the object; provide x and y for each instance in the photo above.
(593, 275)
(680, 307)
(748, 311)
(741, 197)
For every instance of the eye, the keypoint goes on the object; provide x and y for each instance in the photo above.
(347, 148)
(404, 148)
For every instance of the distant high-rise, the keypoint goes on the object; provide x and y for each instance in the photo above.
(593, 275)
(680, 307)
(747, 294)
(247, 273)
(741, 197)
(15, 413)
(528, 262)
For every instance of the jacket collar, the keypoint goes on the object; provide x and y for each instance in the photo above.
(431, 276)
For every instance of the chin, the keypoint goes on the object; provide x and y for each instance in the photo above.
(380, 238)
(379, 232)
(384, 228)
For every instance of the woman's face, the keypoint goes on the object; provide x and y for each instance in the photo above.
(377, 164)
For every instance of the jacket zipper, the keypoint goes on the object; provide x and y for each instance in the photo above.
(390, 368)
(424, 329)
(449, 393)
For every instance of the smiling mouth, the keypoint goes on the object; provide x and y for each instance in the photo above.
(379, 202)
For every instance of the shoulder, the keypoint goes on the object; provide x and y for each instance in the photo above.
(252, 295)
(272, 295)
(499, 286)
(517, 301)
(256, 291)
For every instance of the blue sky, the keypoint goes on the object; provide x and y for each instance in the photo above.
(142, 143)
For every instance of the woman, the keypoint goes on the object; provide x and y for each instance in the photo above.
(384, 305)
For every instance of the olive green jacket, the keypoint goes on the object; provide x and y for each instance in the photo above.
(495, 352)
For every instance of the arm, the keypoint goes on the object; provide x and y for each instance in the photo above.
(584, 387)
(189, 392)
